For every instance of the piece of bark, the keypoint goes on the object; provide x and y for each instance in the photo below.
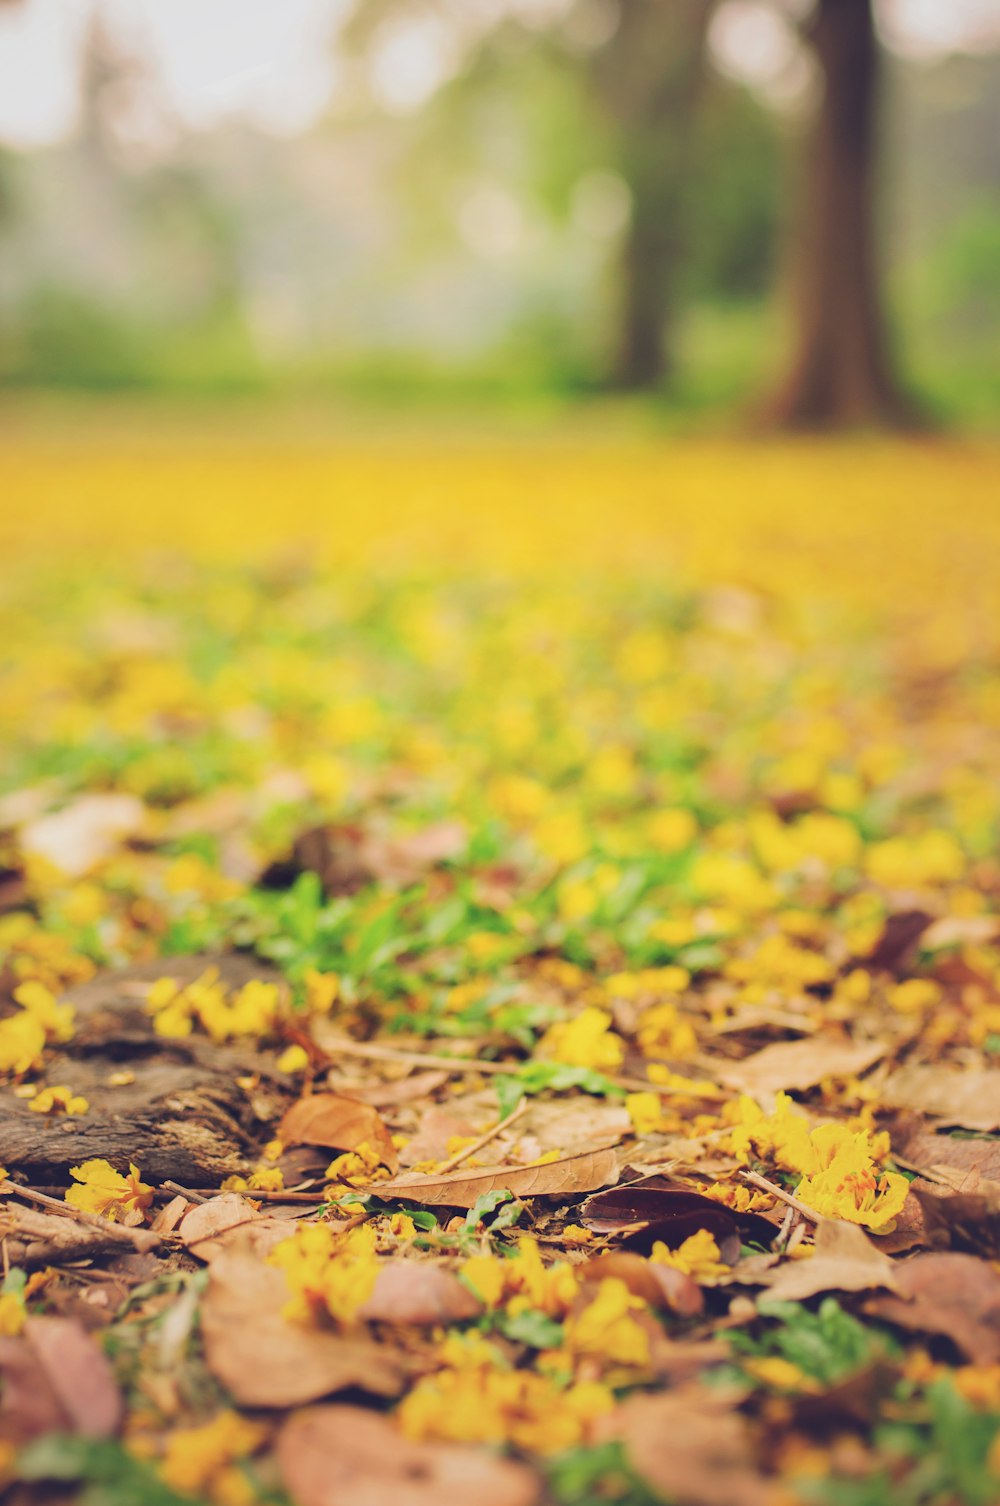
(181, 1117)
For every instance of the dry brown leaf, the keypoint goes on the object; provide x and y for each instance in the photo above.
(209, 1228)
(691, 1448)
(84, 833)
(797, 1065)
(386, 1095)
(460, 1189)
(660, 1285)
(417, 1292)
(345, 1456)
(57, 1380)
(951, 1294)
(844, 1260)
(962, 1220)
(969, 1098)
(927, 1151)
(266, 1361)
(338, 1123)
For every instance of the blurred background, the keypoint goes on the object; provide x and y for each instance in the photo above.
(781, 206)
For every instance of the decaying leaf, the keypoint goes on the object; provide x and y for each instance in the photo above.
(797, 1065)
(419, 1293)
(951, 1294)
(969, 1098)
(339, 1123)
(962, 1220)
(689, 1446)
(84, 833)
(661, 1286)
(461, 1189)
(345, 1456)
(209, 1228)
(57, 1380)
(265, 1361)
(653, 1208)
(844, 1260)
(928, 1151)
(900, 935)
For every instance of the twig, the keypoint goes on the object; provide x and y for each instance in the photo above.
(483, 1139)
(206, 1194)
(139, 1239)
(193, 1197)
(779, 1192)
(379, 1052)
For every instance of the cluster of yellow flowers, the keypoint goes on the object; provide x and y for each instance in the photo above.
(39, 1019)
(838, 1165)
(330, 1275)
(253, 1010)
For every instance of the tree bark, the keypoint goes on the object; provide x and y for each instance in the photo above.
(842, 373)
(648, 78)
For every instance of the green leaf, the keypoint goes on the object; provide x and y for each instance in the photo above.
(533, 1328)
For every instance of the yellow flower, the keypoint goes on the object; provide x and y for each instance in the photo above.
(266, 1179)
(322, 991)
(585, 1041)
(606, 1329)
(12, 1314)
(698, 1257)
(524, 1282)
(293, 1059)
(40, 1002)
(61, 1099)
(485, 1404)
(22, 1041)
(196, 1458)
(664, 1032)
(645, 1111)
(329, 1274)
(104, 1190)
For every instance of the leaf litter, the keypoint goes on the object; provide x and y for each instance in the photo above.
(570, 1080)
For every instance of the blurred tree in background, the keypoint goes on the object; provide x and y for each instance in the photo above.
(527, 197)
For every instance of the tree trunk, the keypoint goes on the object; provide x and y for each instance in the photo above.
(842, 373)
(648, 77)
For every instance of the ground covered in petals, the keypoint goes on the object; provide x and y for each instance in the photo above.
(500, 945)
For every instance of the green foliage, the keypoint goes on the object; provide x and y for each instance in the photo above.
(597, 1477)
(540, 1076)
(826, 1345)
(108, 1475)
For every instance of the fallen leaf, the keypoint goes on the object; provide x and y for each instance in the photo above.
(968, 1098)
(84, 833)
(899, 936)
(843, 1260)
(661, 1286)
(691, 1447)
(346, 1456)
(265, 1361)
(57, 1380)
(460, 1189)
(962, 1220)
(209, 1228)
(339, 1123)
(348, 857)
(927, 1151)
(417, 1292)
(667, 1212)
(951, 1294)
(385, 1095)
(797, 1065)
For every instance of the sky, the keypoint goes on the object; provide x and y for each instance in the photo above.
(274, 61)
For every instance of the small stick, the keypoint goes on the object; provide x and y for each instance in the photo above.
(139, 1239)
(785, 1197)
(206, 1194)
(379, 1052)
(175, 1187)
(470, 1150)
